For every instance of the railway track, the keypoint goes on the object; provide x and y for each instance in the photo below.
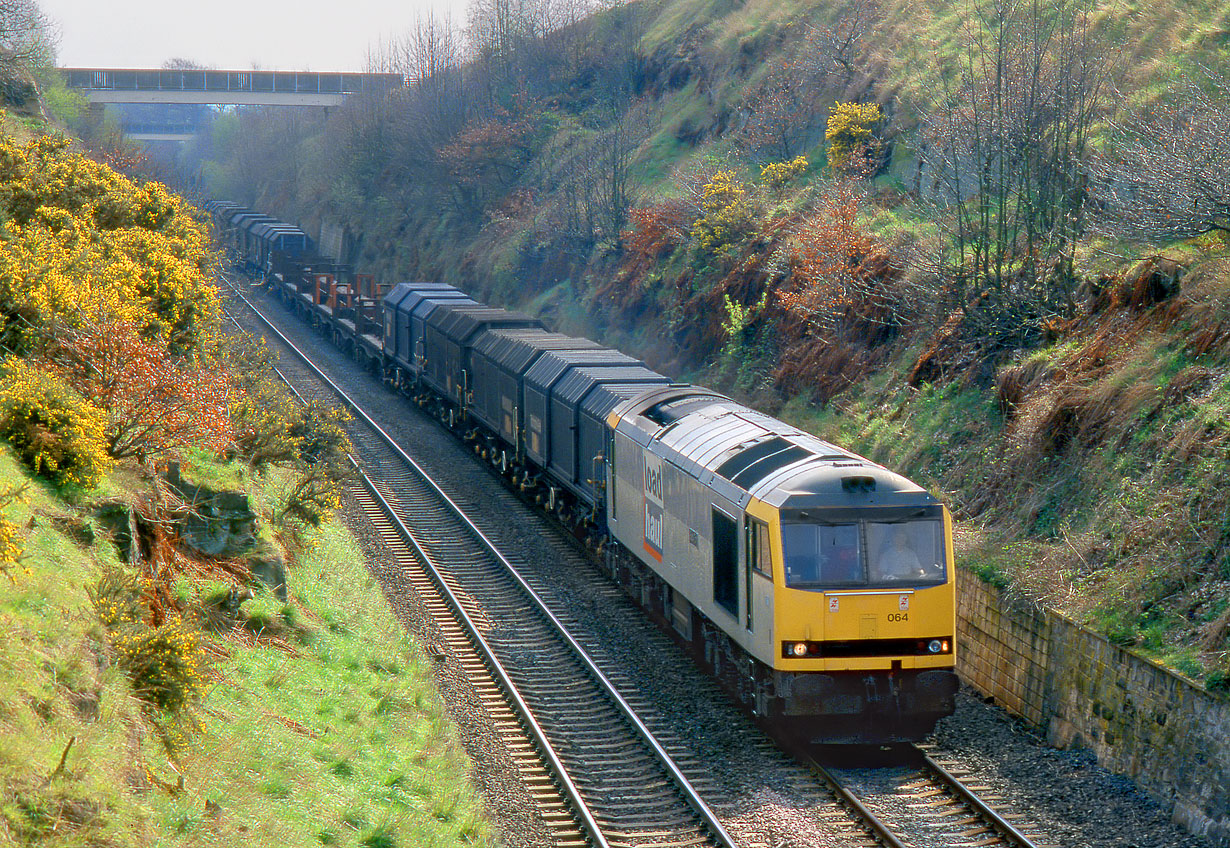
(597, 771)
(616, 780)
(920, 804)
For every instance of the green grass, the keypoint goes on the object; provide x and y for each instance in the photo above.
(326, 730)
(350, 740)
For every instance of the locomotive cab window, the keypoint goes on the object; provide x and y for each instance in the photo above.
(905, 552)
(864, 553)
(758, 547)
(822, 555)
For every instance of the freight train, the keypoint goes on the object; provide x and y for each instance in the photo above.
(815, 585)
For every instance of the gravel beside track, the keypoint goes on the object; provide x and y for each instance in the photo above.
(772, 800)
(1063, 794)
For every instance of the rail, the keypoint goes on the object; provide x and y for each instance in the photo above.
(689, 793)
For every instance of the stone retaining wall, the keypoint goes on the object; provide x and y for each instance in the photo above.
(1141, 720)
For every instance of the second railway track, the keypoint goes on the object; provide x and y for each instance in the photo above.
(633, 788)
(628, 789)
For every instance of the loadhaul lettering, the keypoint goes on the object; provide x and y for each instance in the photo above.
(654, 507)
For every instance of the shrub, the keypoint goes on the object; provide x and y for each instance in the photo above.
(156, 402)
(848, 134)
(117, 599)
(323, 465)
(657, 230)
(727, 213)
(80, 240)
(314, 497)
(166, 665)
(56, 432)
(11, 546)
(776, 174)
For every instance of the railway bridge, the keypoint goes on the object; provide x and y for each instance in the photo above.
(194, 87)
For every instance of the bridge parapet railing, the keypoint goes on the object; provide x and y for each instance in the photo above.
(289, 82)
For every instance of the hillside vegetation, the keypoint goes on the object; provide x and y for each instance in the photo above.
(982, 242)
(190, 652)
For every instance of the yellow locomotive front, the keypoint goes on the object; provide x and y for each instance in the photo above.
(863, 607)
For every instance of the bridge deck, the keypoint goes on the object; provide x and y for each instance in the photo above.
(135, 85)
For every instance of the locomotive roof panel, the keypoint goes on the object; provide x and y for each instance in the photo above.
(736, 449)
(847, 484)
(698, 436)
(668, 409)
(642, 418)
(580, 379)
(703, 437)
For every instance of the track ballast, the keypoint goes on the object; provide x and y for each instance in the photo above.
(635, 798)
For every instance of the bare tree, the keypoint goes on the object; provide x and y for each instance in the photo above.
(179, 63)
(786, 110)
(28, 38)
(1167, 172)
(842, 45)
(1006, 151)
(592, 177)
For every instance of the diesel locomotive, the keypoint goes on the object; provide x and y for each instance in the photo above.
(815, 585)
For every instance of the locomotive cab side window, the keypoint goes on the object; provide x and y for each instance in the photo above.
(758, 547)
(756, 559)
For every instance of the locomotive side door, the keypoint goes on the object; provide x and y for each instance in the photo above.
(726, 562)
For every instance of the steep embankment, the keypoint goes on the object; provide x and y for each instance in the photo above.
(988, 330)
(190, 653)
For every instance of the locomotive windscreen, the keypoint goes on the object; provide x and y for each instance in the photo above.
(905, 552)
(863, 553)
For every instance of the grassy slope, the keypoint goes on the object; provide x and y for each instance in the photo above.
(1088, 494)
(1103, 490)
(1100, 492)
(325, 729)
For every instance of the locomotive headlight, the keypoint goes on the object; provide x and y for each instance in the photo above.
(799, 649)
(935, 646)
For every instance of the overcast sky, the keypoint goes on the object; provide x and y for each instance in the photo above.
(293, 35)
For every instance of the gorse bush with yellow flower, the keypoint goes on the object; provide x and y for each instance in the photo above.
(166, 664)
(849, 134)
(78, 240)
(776, 175)
(727, 213)
(109, 313)
(12, 545)
(57, 433)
